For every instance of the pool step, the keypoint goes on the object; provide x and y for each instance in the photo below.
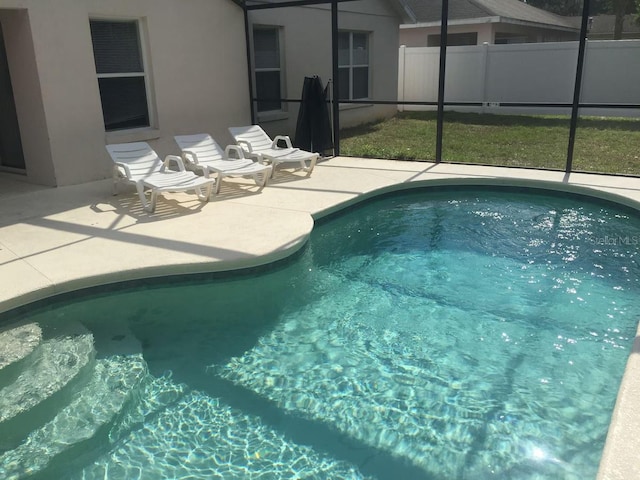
(87, 421)
(17, 342)
(45, 381)
(92, 413)
(201, 437)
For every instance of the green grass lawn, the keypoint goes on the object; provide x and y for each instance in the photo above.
(608, 145)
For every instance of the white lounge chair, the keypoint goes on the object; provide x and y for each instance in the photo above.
(257, 144)
(139, 164)
(202, 153)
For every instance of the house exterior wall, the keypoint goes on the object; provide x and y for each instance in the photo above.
(413, 37)
(486, 33)
(195, 59)
(306, 34)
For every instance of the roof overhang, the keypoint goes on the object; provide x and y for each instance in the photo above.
(495, 19)
(400, 7)
(269, 4)
(462, 21)
(548, 26)
(404, 10)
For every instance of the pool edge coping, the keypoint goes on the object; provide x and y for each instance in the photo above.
(453, 181)
(135, 274)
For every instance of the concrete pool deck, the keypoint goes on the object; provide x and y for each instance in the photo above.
(56, 240)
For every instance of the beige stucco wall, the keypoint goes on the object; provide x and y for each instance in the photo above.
(195, 51)
(307, 51)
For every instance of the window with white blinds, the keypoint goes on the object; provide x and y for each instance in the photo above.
(353, 65)
(121, 74)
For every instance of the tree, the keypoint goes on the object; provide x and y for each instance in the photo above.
(570, 7)
(619, 8)
(563, 7)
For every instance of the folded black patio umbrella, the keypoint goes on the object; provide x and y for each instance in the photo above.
(313, 130)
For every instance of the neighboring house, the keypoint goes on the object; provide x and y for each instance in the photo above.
(601, 27)
(474, 22)
(86, 73)
(291, 43)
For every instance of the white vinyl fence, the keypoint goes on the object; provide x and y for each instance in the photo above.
(532, 72)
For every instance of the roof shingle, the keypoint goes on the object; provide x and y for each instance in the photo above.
(430, 11)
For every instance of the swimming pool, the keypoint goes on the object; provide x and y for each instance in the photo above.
(463, 334)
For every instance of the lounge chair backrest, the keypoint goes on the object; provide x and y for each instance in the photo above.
(254, 135)
(139, 157)
(203, 145)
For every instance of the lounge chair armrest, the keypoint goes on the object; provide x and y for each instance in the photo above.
(284, 138)
(168, 159)
(123, 166)
(233, 148)
(189, 156)
(245, 145)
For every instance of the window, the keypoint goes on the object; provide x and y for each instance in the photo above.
(454, 39)
(353, 65)
(121, 76)
(508, 38)
(268, 69)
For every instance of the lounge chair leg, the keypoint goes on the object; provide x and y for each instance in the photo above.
(311, 166)
(154, 199)
(261, 179)
(200, 193)
(116, 178)
(149, 207)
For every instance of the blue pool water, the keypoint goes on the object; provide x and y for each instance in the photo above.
(465, 334)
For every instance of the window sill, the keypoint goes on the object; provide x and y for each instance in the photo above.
(133, 135)
(272, 116)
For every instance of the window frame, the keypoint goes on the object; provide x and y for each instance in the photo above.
(141, 38)
(351, 66)
(273, 113)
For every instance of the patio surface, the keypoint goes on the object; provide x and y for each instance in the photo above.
(55, 240)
